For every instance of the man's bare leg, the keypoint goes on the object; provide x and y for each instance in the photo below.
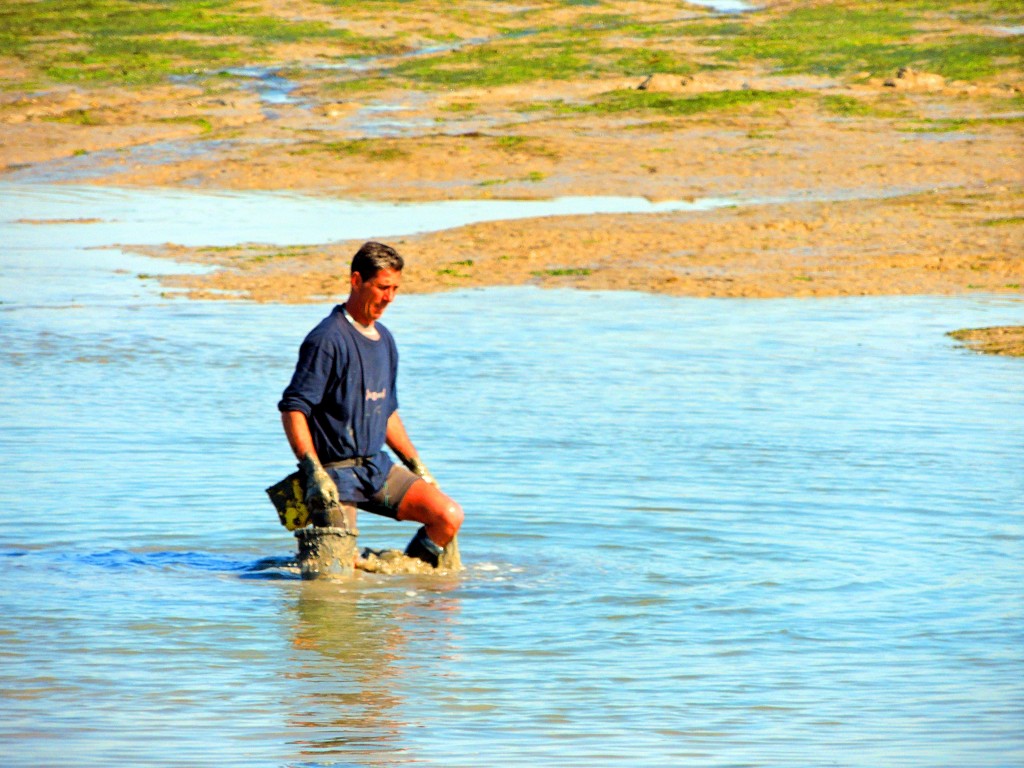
(441, 516)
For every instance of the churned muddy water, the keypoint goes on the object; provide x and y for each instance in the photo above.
(699, 532)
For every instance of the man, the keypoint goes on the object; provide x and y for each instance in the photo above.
(341, 408)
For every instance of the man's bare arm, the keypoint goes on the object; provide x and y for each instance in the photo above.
(398, 439)
(296, 428)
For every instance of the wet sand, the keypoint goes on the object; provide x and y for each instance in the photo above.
(844, 186)
(998, 340)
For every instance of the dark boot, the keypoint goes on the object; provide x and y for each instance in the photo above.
(422, 548)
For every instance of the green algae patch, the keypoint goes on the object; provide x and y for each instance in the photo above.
(838, 40)
(134, 60)
(620, 101)
(644, 61)
(456, 269)
(533, 177)
(558, 53)
(372, 149)
(201, 123)
(497, 65)
(525, 145)
(955, 125)
(137, 43)
(968, 57)
(287, 253)
(851, 106)
(75, 117)
(826, 40)
(566, 272)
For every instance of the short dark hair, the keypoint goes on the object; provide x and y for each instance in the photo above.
(372, 257)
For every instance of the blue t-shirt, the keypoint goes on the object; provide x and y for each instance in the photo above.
(345, 384)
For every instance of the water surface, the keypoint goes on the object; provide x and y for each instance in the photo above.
(219, 218)
(700, 532)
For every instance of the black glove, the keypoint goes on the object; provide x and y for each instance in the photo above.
(422, 548)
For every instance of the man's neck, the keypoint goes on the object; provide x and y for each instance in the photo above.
(355, 314)
(367, 329)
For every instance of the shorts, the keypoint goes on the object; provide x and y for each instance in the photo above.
(386, 500)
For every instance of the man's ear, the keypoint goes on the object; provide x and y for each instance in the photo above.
(356, 281)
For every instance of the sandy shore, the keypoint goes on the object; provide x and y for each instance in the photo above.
(862, 184)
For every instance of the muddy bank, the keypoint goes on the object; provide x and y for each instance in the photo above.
(749, 134)
(999, 340)
(954, 241)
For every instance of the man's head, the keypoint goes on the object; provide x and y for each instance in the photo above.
(372, 257)
(376, 276)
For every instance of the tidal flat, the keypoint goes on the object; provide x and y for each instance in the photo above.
(871, 148)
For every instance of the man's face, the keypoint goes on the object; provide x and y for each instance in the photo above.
(372, 296)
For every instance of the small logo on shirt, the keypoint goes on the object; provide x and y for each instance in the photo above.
(370, 395)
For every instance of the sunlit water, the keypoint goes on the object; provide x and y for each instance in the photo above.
(111, 215)
(700, 532)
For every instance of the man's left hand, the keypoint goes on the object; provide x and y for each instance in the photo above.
(419, 468)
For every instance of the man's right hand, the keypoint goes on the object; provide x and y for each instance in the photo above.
(321, 492)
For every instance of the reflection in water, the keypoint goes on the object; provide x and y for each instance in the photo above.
(351, 650)
(348, 696)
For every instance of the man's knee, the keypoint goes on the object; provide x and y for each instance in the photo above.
(447, 518)
(427, 504)
(453, 517)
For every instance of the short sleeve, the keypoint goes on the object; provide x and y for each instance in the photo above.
(312, 373)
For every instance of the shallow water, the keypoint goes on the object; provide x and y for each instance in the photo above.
(725, 6)
(220, 218)
(109, 162)
(700, 532)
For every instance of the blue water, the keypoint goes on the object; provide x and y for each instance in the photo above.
(220, 218)
(699, 532)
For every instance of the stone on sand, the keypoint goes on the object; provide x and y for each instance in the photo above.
(911, 80)
(665, 83)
